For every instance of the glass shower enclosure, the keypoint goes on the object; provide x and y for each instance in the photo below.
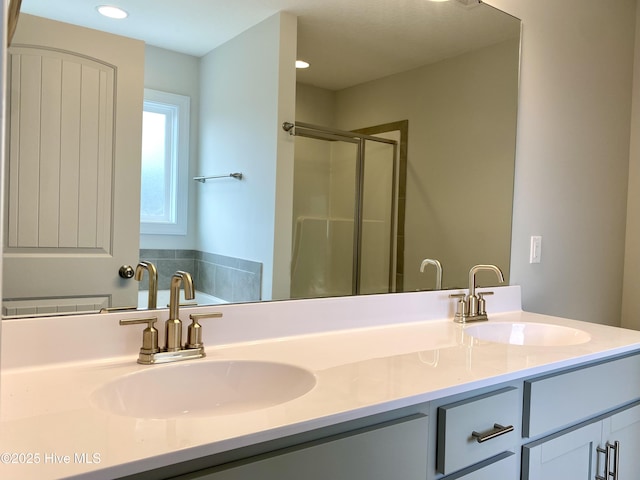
(344, 212)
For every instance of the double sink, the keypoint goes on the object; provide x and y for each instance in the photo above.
(214, 387)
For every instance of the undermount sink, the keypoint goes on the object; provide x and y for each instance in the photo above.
(203, 388)
(530, 334)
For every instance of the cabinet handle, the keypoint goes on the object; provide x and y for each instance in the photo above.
(496, 431)
(616, 459)
(615, 446)
(607, 452)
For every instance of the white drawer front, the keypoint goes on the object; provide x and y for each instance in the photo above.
(458, 448)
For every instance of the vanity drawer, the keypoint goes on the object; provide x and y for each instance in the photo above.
(482, 415)
(557, 401)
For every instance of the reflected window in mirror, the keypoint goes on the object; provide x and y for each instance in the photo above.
(165, 163)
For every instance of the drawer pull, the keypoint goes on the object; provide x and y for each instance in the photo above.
(496, 431)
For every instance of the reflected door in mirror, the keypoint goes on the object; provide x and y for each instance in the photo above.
(74, 141)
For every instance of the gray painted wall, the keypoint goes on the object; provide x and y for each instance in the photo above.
(572, 154)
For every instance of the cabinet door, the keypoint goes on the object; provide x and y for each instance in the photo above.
(624, 427)
(396, 450)
(569, 456)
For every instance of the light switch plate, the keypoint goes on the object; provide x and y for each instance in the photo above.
(536, 249)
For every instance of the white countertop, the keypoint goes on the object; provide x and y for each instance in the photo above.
(359, 372)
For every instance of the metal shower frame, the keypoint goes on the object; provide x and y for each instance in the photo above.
(326, 133)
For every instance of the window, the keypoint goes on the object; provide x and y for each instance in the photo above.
(165, 163)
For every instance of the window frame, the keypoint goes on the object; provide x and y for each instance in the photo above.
(178, 185)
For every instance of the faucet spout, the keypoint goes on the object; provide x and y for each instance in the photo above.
(173, 325)
(438, 265)
(179, 279)
(153, 282)
(472, 307)
(477, 268)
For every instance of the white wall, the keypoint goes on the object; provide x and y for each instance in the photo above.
(178, 73)
(247, 91)
(572, 154)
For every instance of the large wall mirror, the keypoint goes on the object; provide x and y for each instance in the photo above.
(185, 136)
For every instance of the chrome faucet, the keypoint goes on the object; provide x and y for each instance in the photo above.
(435, 263)
(472, 307)
(153, 281)
(173, 326)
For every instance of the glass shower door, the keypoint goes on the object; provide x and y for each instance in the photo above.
(323, 216)
(377, 259)
(344, 213)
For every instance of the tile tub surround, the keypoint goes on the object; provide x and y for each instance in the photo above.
(382, 339)
(231, 279)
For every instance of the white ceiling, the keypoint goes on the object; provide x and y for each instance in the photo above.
(347, 42)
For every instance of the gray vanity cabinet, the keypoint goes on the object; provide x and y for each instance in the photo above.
(571, 405)
(393, 450)
(554, 426)
(579, 453)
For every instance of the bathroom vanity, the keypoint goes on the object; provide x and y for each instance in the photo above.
(377, 387)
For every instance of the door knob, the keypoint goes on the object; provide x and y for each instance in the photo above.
(126, 271)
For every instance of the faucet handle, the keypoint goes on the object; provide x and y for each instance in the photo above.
(149, 334)
(482, 303)
(194, 332)
(461, 307)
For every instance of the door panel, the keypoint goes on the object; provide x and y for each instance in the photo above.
(73, 179)
(569, 456)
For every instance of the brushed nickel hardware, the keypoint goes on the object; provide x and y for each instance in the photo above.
(236, 175)
(606, 451)
(472, 307)
(496, 431)
(194, 332)
(438, 265)
(461, 305)
(173, 351)
(173, 326)
(289, 127)
(149, 338)
(482, 303)
(117, 309)
(153, 282)
(126, 271)
(609, 448)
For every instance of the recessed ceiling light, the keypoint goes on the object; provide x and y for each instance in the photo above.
(302, 64)
(112, 12)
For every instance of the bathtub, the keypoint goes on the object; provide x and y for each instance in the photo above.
(163, 299)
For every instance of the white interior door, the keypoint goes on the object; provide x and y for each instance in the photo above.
(73, 174)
